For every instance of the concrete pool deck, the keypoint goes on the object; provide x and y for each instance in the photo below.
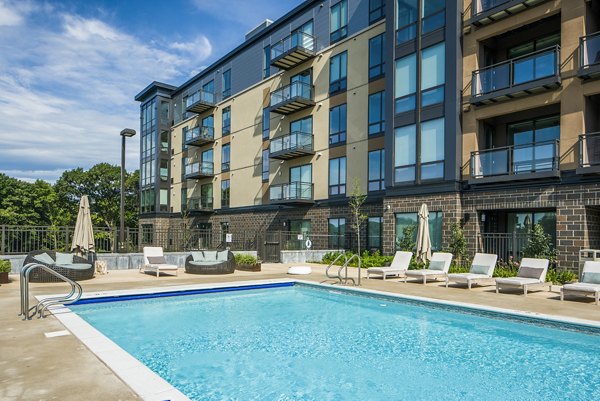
(62, 368)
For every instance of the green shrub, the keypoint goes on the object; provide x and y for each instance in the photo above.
(242, 259)
(456, 267)
(457, 244)
(5, 266)
(408, 241)
(367, 259)
(560, 276)
(539, 245)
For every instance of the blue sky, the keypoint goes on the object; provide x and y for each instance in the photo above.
(69, 71)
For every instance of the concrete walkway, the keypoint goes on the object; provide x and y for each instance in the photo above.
(62, 368)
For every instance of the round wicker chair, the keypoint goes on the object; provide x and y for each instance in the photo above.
(227, 267)
(41, 276)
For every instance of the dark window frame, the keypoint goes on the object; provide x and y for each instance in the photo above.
(226, 128)
(377, 71)
(340, 84)
(336, 240)
(342, 31)
(225, 194)
(376, 11)
(340, 188)
(379, 235)
(266, 61)
(381, 180)
(265, 166)
(266, 124)
(340, 136)
(227, 84)
(225, 165)
(376, 127)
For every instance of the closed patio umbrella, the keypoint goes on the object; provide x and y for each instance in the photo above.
(423, 239)
(83, 237)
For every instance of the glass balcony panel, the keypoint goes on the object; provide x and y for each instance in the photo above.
(485, 5)
(589, 149)
(291, 192)
(295, 40)
(295, 89)
(519, 159)
(490, 163)
(590, 50)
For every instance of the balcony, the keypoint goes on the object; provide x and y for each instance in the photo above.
(589, 153)
(517, 77)
(589, 56)
(200, 204)
(199, 136)
(200, 102)
(296, 144)
(515, 163)
(484, 12)
(292, 98)
(293, 50)
(199, 170)
(292, 193)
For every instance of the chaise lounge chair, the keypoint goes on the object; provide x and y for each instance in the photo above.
(438, 267)
(532, 273)
(154, 261)
(590, 283)
(482, 269)
(398, 267)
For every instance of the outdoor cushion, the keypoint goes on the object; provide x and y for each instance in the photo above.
(529, 272)
(591, 278)
(64, 258)
(203, 263)
(45, 258)
(477, 269)
(210, 255)
(76, 266)
(198, 256)
(222, 256)
(157, 260)
(436, 265)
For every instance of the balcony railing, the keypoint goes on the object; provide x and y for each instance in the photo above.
(291, 98)
(293, 50)
(199, 136)
(589, 56)
(197, 170)
(589, 153)
(516, 77)
(291, 193)
(200, 102)
(296, 144)
(485, 12)
(518, 162)
(200, 204)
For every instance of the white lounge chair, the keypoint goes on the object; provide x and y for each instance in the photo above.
(398, 267)
(438, 267)
(532, 273)
(590, 283)
(154, 261)
(482, 269)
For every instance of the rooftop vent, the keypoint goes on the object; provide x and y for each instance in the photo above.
(259, 28)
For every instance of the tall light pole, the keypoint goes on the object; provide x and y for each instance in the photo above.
(126, 133)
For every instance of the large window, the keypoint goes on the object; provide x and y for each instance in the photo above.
(206, 195)
(164, 170)
(266, 123)
(164, 200)
(225, 157)
(405, 87)
(209, 91)
(377, 113)
(535, 144)
(226, 121)
(432, 149)
(405, 152)
(149, 139)
(336, 228)
(302, 126)
(339, 21)
(337, 176)
(376, 10)
(164, 141)
(433, 77)
(225, 193)
(376, 56)
(226, 84)
(183, 199)
(337, 124)
(374, 233)
(184, 134)
(407, 12)
(522, 222)
(433, 14)
(267, 61)
(338, 71)
(407, 224)
(265, 165)
(376, 170)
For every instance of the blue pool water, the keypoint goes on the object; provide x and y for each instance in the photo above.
(305, 343)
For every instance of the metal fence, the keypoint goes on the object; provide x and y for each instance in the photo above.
(505, 245)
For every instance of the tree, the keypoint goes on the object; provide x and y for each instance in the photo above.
(357, 198)
(458, 243)
(25, 203)
(408, 241)
(539, 244)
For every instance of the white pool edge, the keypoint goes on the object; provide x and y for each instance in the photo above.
(150, 386)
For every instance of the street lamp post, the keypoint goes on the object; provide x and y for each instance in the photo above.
(126, 133)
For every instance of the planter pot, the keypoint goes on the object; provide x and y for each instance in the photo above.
(4, 278)
(248, 268)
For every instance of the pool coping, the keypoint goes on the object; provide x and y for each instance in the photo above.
(150, 386)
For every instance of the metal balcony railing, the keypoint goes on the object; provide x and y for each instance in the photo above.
(293, 191)
(514, 160)
(589, 150)
(293, 50)
(199, 135)
(199, 169)
(295, 96)
(200, 203)
(200, 101)
(292, 145)
(589, 54)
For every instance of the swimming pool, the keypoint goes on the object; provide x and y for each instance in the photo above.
(304, 342)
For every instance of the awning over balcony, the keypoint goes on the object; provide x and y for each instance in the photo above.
(484, 12)
(292, 98)
(292, 193)
(296, 144)
(293, 50)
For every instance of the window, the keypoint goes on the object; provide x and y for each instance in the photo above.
(407, 223)
(338, 71)
(522, 222)
(376, 170)
(301, 182)
(208, 92)
(339, 21)
(225, 157)
(147, 200)
(224, 231)
(376, 10)
(207, 162)
(432, 149)
(434, 15)
(377, 113)
(226, 84)
(374, 233)
(265, 165)
(433, 65)
(184, 162)
(164, 141)
(376, 56)
(164, 200)
(336, 229)
(535, 144)
(183, 199)
(405, 152)
(337, 124)
(303, 126)
(337, 176)
(164, 170)
(226, 121)
(184, 134)
(266, 123)
(225, 193)
(405, 85)
(206, 196)
(148, 233)
(407, 12)
(267, 61)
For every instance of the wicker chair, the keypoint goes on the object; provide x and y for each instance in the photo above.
(226, 267)
(41, 276)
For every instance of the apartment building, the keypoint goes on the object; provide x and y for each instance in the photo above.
(485, 110)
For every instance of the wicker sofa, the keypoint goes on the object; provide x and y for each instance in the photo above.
(80, 269)
(210, 262)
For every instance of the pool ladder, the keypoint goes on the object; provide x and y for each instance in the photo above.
(43, 305)
(343, 278)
